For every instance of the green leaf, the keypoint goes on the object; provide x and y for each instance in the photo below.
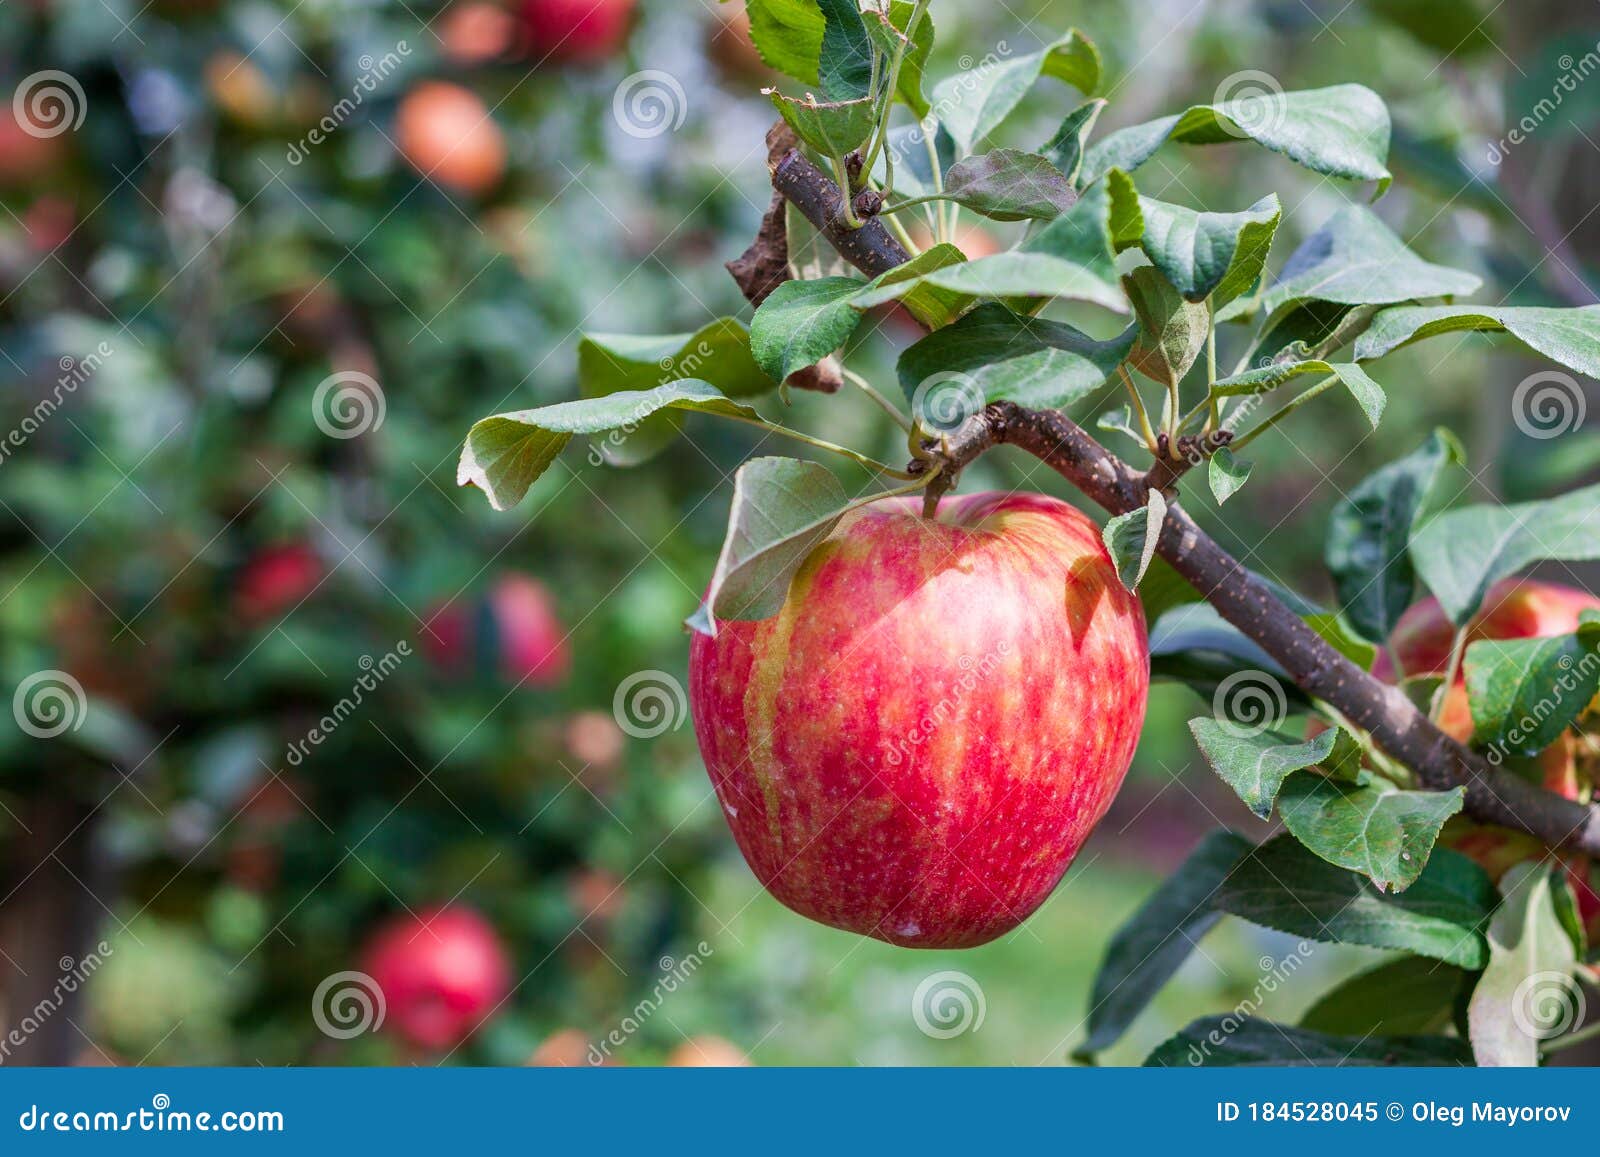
(994, 354)
(1008, 185)
(1255, 762)
(833, 128)
(782, 508)
(1385, 834)
(505, 454)
(889, 32)
(1368, 394)
(1192, 644)
(974, 103)
(1369, 530)
(1226, 474)
(913, 169)
(787, 35)
(844, 67)
(1341, 131)
(1120, 421)
(1524, 692)
(1066, 149)
(1568, 336)
(915, 284)
(719, 354)
(1150, 947)
(802, 322)
(1354, 259)
(1172, 331)
(1526, 994)
(1215, 255)
(1462, 553)
(1410, 995)
(1233, 1040)
(1284, 885)
(1336, 634)
(1131, 539)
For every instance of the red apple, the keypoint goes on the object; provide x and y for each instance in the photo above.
(442, 972)
(576, 30)
(514, 629)
(476, 32)
(707, 1052)
(26, 157)
(275, 580)
(917, 746)
(447, 135)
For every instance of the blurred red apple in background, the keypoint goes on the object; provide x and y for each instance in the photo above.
(565, 1048)
(576, 30)
(729, 42)
(707, 1052)
(476, 32)
(917, 746)
(447, 135)
(275, 580)
(442, 972)
(513, 631)
(26, 158)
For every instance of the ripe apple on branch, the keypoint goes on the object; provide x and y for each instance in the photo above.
(914, 706)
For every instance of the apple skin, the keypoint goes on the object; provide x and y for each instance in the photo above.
(576, 30)
(918, 744)
(528, 644)
(443, 971)
(275, 580)
(446, 133)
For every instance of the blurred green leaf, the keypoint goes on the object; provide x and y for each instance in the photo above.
(974, 103)
(1410, 995)
(1527, 979)
(1258, 1042)
(1568, 336)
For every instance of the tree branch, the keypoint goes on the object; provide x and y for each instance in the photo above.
(1493, 795)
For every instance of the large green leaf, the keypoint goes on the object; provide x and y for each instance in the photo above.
(1238, 1041)
(1008, 185)
(1066, 149)
(833, 128)
(1354, 259)
(1410, 995)
(782, 508)
(788, 35)
(1524, 692)
(844, 65)
(1385, 834)
(1150, 947)
(1255, 763)
(1526, 994)
(1215, 255)
(802, 322)
(1341, 131)
(890, 32)
(1172, 331)
(995, 354)
(973, 103)
(1131, 539)
(1284, 885)
(1568, 336)
(1369, 530)
(915, 284)
(1462, 553)
(505, 454)
(1368, 394)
